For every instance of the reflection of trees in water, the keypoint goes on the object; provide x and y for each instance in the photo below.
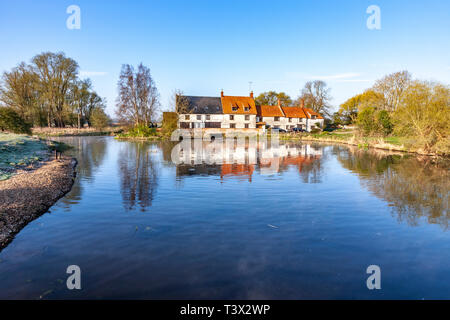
(90, 153)
(415, 187)
(138, 175)
(166, 149)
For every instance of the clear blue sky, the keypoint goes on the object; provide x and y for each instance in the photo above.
(200, 47)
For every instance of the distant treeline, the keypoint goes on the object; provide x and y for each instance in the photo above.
(49, 92)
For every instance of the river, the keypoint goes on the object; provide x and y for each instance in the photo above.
(294, 221)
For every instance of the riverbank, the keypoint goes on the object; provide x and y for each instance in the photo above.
(387, 143)
(27, 195)
(31, 180)
(75, 132)
(348, 137)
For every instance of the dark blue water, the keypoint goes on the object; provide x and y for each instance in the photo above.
(302, 221)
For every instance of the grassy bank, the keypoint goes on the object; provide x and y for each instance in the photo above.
(141, 133)
(70, 132)
(392, 143)
(22, 152)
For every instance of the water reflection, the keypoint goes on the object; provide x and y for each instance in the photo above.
(138, 174)
(242, 159)
(416, 188)
(90, 153)
(287, 221)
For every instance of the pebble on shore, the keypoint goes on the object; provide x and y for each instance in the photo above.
(28, 195)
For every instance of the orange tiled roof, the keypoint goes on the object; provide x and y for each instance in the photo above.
(309, 112)
(294, 112)
(270, 111)
(230, 102)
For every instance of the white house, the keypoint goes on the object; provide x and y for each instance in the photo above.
(238, 112)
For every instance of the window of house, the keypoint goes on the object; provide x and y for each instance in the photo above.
(199, 117)
(208, 117)
(277, 119)
(246, 126)
(231, 117)
(232, 125)
(186, 117)
(247, 117)
(313, 117)
(234, 108)
(290, 119)
(247, 109)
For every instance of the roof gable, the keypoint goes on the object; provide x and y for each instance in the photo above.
(309, 112)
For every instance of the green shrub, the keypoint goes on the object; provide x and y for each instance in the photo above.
(384, 122)
(11, 121)
(366, 121)
(373, 122)
(141, 131)
(169, 123)
(99, 119)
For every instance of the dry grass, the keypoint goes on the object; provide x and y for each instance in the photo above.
(56, 132)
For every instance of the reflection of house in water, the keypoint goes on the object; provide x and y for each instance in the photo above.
(237, 170)
(195, 170)
(284, 162)
(241, 159)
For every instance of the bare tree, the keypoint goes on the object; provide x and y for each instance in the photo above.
(317, 96)
(179, 102)
(392, 87)
(138, 98)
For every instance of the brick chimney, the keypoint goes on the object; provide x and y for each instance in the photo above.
(251, 94)
(279, 102)
(302, 103)
(221, 93)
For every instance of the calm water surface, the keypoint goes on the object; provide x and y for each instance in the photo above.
(302, 221)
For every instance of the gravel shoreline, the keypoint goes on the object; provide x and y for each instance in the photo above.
(26, 196)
